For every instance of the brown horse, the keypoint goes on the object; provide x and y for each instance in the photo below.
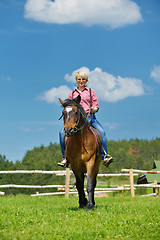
(81, 149)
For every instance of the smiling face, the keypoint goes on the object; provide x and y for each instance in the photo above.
(81, 79)
(81, 82)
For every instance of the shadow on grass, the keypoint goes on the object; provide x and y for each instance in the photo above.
(78, 209)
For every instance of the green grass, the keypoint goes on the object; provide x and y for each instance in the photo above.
(25, 217)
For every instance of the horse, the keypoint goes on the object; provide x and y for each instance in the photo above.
(81, 149)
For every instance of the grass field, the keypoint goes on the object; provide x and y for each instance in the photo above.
(25, 217)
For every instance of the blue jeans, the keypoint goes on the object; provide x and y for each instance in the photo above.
(97, 125)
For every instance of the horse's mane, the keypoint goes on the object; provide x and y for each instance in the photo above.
(72, 102)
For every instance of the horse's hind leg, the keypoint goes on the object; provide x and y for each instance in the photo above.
(80, 187)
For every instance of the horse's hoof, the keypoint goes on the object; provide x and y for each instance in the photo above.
(81, 206)
(90, 209)
(85, 202)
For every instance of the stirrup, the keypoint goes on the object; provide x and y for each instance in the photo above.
(107, 160)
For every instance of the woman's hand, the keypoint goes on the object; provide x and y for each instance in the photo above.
(94, 110)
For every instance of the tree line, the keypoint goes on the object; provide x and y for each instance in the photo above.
(133, 153)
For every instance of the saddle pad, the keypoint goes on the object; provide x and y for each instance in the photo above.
(97, 136)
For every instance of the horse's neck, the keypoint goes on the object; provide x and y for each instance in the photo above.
(81, 140)
(84, 133)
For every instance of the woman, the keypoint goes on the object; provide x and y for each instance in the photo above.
(93, 107)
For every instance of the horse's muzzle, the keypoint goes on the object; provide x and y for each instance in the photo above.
(68, 131)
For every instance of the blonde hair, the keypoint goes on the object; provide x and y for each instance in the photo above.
(82, 75)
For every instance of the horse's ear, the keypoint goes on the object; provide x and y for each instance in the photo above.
(61, 101)
(78, 99)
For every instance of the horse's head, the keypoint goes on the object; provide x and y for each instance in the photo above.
(71, 115)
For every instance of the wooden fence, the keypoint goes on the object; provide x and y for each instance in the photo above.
(133, 186)
(68, 189)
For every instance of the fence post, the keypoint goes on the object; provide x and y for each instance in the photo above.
(121, 192)
(67, 183)
(156, 189)
(131, 182)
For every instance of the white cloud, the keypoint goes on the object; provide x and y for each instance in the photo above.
(26, 129)
(155, 73)
(113, 13)
(29, 30)
(108, 87)
(53, 94)
(5, 78)
(111, 126)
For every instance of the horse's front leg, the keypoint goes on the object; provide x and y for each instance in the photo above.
(92, 171)
(80, 187)
(91, 184)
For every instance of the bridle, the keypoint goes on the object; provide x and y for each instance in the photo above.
(76, 129)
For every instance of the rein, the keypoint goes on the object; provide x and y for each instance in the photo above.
(76, 129)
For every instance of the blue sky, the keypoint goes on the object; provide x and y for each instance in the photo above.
(43, 43)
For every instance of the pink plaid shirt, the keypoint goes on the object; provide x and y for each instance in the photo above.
(85, 98)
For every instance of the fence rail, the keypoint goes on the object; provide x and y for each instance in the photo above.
(67, 187)
(33, 171)
(63, 173)
(31, 186)
(151, 185)
(141, 171)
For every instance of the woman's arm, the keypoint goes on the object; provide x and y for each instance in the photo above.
(95, 103)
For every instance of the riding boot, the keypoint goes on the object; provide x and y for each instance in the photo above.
(63, 163)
